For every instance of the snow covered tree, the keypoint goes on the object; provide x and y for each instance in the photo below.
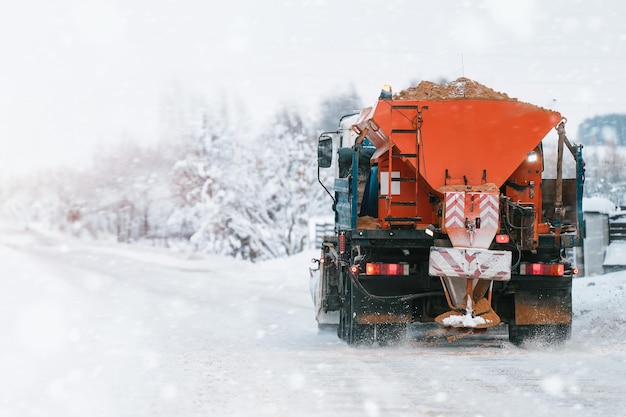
(604, 137)
(603, 129)
(212, 182)
(337, 105)
(287, 164)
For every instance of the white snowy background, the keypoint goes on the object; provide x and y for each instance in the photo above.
(150, 149)
(102, 329)
(187, 124)
(78, 76)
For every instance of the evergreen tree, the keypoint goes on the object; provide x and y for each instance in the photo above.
(210, 181)
(603, 130)
(334, 107)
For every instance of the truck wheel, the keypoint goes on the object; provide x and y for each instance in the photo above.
(342, 329)
(553, 334)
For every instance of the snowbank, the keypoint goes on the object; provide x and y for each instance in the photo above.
(598, 205)
(599, 308)
(615, 254)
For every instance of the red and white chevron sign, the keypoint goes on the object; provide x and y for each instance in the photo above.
(494, 265)
(455, 209)
(471, 217)
(489, 207)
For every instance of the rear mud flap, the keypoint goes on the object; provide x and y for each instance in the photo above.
(543, 308)
(369, 311)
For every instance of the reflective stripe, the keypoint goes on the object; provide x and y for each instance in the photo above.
(455, 209)
(489, 207)
(470, 263)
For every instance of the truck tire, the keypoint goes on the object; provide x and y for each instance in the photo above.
(553, 334)
(342, 328)
(349, 330)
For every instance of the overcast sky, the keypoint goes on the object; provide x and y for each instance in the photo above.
(78, 74)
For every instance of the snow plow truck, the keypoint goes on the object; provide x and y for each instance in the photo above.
(448, 210)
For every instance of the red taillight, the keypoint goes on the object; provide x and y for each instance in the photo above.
(542, 269)
(502, 239)
(386, 269)
(372, 269)
(354, 269)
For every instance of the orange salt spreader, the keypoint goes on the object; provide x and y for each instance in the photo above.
(468, 173)
(457, 153)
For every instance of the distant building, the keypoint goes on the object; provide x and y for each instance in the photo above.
(597, 238)
(615, 259)
(319, 227)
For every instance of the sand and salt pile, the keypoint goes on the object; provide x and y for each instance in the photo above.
(461, 88)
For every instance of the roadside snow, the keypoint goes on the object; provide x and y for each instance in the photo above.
(598, 205)
(600, 313)
(101, 329)
(615, 254)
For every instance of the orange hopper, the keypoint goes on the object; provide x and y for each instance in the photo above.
(464, 150)
(462, 141)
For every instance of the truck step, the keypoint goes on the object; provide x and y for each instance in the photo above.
(403, 179)
(403, 219)
(402, 131)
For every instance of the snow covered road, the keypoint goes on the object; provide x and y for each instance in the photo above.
(96, 329)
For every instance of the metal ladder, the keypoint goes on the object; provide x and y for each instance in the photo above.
(410, 149)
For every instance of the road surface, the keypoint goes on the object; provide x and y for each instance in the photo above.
(101, 329)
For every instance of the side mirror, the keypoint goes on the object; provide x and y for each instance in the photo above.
(324, 152)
